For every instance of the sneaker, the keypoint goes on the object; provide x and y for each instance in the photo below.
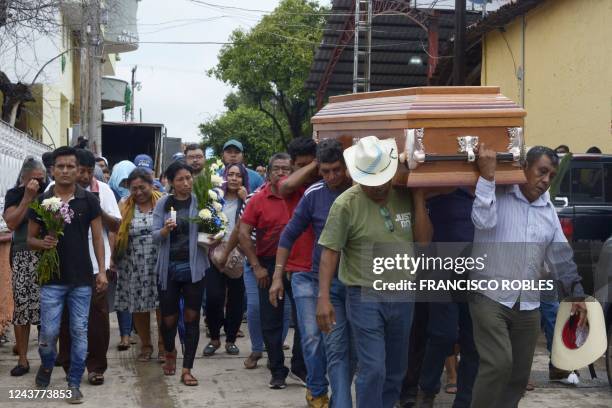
(424, 400)
(43, 377)
(74, 395)
(277, 383)
(322, 401)
(299, 377)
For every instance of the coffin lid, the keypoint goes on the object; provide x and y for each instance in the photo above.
(419, 103)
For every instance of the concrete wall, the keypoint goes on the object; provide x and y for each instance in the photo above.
(567, 60)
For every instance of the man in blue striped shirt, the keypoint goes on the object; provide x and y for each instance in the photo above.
(322, 353)
(516, 231)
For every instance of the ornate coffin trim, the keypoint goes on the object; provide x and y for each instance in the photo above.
(467, 144)
(415, 150)
(516, 144)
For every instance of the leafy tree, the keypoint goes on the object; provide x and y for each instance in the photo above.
(249, 125)
(270, 63)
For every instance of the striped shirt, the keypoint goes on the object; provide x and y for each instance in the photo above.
(253, 231)
(313, 209)
(517, 239)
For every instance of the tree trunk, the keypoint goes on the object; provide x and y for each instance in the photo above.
(13, 117)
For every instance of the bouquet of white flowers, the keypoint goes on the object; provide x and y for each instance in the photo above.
(54, 214)
(211, 220)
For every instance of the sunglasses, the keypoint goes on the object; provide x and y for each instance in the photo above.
(384, 211)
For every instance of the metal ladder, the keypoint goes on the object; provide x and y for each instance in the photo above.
(363, 25)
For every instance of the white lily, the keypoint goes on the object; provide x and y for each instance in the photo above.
(205, 214)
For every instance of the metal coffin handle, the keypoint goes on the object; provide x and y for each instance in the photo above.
(415, 154)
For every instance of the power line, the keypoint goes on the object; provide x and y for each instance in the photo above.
(268, 12)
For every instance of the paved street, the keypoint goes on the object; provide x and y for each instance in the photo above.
(225, 383)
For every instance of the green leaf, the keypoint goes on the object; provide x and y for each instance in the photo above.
(564, 166)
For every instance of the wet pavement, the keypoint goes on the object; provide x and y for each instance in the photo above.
(225, 383)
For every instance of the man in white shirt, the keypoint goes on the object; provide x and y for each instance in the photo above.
(98, 332)
(517, 231)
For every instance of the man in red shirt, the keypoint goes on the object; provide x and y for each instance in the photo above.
(303, 152)
(268, 213)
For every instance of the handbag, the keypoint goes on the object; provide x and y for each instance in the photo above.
(234, 267)
(179, 272)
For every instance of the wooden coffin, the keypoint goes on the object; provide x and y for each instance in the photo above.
(430, 125)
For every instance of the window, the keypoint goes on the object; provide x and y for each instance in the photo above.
(607, 182)
(587, 183)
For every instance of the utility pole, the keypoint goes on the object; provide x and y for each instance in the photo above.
(91, 75)
(133, 92)
(459, 51)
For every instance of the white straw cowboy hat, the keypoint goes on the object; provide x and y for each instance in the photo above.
(372, 162)
(575, 348)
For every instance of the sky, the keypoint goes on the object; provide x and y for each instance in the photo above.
(175, 89)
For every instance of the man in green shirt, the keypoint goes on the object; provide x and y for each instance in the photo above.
(370, 230)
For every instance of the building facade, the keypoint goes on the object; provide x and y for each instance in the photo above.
(555, 61)
(55, 113)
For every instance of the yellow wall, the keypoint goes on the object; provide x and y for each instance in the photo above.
(568, 72)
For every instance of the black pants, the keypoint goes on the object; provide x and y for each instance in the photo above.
(98, 335)
(169, 308)
(450, 323)
(272, 327)
(416, 352)
(217, 284)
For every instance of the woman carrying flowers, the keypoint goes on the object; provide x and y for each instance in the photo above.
(218, 283)
(180, 267)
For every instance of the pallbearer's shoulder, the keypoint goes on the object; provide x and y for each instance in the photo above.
(349, 196)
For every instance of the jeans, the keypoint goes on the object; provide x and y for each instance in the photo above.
(52, 299)
(253, 319)
(124, 317)
(305, 287)
(272, 322)
(98, 336)
(449, 323)
(382, 334)
(548, 312)
(340, 350)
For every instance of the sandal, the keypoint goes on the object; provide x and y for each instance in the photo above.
(169, 366)
(95, 378)
(530, 386)
(450, 388)
(43, 377)
(161, 357)
(122, 346)
(145, 354)
(189, 380)
(231, 348)
(20, 370)
(210, 349)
